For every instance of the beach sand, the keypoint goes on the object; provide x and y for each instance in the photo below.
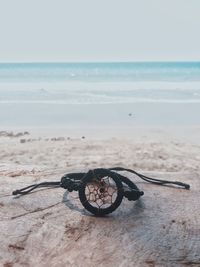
(51, 228)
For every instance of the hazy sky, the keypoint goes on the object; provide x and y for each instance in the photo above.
(99, 30)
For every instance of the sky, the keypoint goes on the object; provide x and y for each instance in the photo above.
(99, 30)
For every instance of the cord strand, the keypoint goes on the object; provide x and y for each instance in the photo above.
(28, 189)
(150, 179)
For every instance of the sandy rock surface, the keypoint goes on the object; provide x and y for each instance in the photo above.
(50, 227)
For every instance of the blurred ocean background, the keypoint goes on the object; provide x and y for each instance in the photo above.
(99, 83)
(43, 94)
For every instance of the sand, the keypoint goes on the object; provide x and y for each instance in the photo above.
(50, 227)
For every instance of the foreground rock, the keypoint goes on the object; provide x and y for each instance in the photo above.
(50, 228)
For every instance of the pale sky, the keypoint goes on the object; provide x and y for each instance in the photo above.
(99, 30)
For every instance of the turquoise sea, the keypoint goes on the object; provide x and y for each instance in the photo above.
(100, 82)
(59, 93)
(98, 72)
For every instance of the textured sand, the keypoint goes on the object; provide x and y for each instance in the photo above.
(50, 227)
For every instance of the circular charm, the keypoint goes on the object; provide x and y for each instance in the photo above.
(101, 192)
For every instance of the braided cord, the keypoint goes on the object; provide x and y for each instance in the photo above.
(69, 181)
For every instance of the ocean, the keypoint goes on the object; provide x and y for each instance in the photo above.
(100, 82)
(53, 90)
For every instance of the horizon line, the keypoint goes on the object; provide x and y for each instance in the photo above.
(98, 61)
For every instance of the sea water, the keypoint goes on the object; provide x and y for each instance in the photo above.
(58, 93)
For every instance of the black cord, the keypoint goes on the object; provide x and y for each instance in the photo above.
(79, 177)
(24, 191)
(152, 180)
